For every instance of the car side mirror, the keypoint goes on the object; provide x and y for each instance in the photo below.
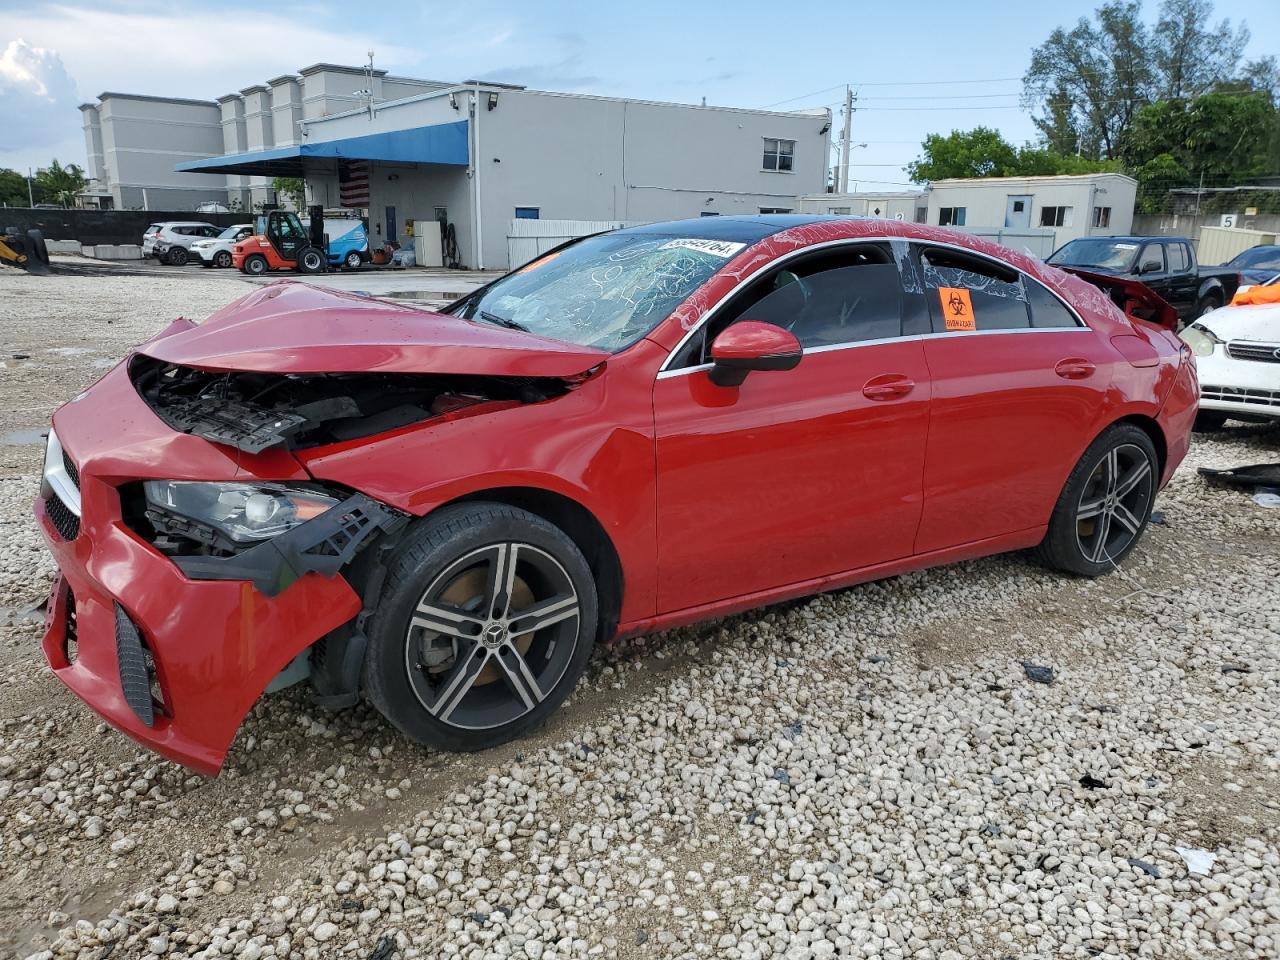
(752, 345)
(1151, 266)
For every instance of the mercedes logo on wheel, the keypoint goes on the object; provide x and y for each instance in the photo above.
(1276, 353)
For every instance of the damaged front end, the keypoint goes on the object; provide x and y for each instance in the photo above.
(255, 411)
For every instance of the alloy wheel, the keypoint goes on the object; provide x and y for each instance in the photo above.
(492, 635)
(1114, 504)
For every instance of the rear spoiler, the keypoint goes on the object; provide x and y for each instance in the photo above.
(1137, 300)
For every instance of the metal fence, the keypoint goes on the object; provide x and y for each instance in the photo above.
(527, 239)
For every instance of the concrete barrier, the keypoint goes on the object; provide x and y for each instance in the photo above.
(63, 246)
(113, 251)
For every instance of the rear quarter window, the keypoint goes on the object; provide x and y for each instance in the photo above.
(971, 293)
(1046, 309)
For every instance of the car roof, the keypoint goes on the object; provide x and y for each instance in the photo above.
(741, 229)
(1129, 238)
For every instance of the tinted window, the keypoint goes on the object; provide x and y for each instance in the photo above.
(971, 293)
(1152, 251)
(1046, 309)
(1177, 257)
(829, 298)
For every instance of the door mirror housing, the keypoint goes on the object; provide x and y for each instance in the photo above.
(1150, 266)
(752, 345)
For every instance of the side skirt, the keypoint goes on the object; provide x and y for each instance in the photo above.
(1021, 540)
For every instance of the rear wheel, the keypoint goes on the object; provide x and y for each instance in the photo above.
(310, 260)
(353, 260)
(1208, 303)
(485, 624)
(177, 256)
(222, 259)
(1104, 507)
(255, 265)
(39, 248)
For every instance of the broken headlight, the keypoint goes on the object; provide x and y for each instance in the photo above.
(242, 512)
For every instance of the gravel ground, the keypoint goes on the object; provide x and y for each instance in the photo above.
(871, 773)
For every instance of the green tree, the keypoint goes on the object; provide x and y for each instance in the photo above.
(61, 184)
(1097, 75)
(13, 189)
(295, 188)
(980, 152)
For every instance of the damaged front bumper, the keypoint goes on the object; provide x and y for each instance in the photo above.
(174, 650)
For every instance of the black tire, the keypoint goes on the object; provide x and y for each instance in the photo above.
(1208, 303)
(39, 249)
(353, 260)
(418, 678)
(1209, 421)
(177, 256)
(1082, 541)
(310, 260)
(255, 265)
(222, 259)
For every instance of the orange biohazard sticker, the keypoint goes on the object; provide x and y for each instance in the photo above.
(957, 308)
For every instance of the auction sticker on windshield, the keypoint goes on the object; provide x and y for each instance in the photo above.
(717, 248)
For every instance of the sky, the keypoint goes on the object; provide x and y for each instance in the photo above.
(945, 66)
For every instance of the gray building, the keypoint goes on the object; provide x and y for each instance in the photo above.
(474, 155)
(479, 155)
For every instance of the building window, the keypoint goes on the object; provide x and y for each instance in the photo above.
(527, 213)
(951, 216)
(779, 154)
(839, 211)
(775, 209)
(922, 214)
(1055, 216)
(709, 213)
(1102, 216)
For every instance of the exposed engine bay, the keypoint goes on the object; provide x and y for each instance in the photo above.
(254, 411)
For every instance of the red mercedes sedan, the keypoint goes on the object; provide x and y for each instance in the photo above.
(444, 512)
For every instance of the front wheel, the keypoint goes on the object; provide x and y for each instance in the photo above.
(352, 260)
(255, 265)
(222, 259)
(1104, 507)
(485, 624)
(310, 260)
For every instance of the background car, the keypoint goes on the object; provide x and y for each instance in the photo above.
(640, 429)
(170, 242)
(1238, 358)
(1260, 264)
(216, 251)
(1165, 264)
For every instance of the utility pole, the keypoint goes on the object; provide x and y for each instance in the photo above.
(31, 199)
(844, 141)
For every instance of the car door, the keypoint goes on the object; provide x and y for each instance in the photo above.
(801, 474)
(1183, 282)
(1017, 382)
(284, 236)
(1153, 269)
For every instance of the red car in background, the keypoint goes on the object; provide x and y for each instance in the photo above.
(445, 511)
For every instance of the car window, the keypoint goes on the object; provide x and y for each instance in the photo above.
(210, 231)
(1153, 251)
(1177, 257)
(845, 295)
(1046, 309)
(967, 292)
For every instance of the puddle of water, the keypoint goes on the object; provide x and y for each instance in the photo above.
(69, 351)
(21, 438)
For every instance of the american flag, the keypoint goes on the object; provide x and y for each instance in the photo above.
(353, 183)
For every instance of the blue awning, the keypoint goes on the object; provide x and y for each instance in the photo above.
(443, 143)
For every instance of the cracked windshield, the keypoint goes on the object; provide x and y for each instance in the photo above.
(605, 292)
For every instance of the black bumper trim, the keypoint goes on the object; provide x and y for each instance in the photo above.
(323, 545)
(135, 678)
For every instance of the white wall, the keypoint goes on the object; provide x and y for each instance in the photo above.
(985, 201)
(889, 206)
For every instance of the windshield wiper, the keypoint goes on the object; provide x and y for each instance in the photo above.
(503, 321)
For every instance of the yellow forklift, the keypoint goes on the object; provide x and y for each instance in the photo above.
(24, 252)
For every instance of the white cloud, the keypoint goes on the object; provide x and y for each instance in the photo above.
(37, 98)
(200, 53)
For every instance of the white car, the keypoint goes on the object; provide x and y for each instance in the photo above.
(170, 242)
(216, 251)
(1237, 352)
